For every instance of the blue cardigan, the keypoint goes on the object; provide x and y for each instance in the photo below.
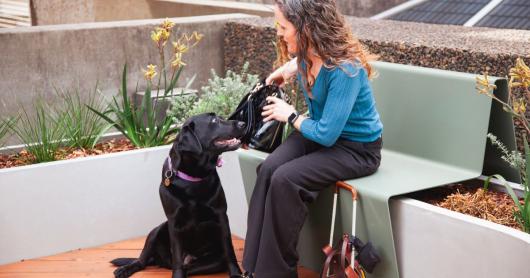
(342, 106)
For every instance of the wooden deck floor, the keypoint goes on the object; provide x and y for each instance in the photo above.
(94, 262)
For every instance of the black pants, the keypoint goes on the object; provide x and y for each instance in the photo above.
(291, 176)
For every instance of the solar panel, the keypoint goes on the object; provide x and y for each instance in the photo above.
(512, 14)
(455, 12)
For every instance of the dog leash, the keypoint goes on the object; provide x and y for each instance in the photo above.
(170, 172)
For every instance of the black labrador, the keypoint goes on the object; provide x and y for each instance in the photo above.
(196, 239)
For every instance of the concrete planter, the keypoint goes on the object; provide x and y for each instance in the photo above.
(436, 242)
(59, 206)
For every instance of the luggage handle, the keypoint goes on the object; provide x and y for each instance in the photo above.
(353, 191)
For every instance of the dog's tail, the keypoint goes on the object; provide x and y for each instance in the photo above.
(122, 261)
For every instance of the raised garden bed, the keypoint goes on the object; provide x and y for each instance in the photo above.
(432, 241)
(22, 157)
(470, 198)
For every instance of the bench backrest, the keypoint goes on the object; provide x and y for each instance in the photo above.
(433, 114)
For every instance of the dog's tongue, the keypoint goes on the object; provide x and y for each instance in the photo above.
(220, 161)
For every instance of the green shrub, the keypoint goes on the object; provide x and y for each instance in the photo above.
(182, 107)
(221, 95)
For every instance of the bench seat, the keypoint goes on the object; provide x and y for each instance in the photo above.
(398, 174)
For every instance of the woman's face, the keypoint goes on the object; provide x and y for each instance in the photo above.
(286, 30)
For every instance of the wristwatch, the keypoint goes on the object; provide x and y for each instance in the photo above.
(292, 118)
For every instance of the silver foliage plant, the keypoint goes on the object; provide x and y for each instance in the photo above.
(514, 158)
(221, 95)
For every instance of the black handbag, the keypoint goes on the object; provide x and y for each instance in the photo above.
(259, 135)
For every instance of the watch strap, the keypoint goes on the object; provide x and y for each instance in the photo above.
(292, 118)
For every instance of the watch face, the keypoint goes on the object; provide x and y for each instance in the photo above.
(291, 118)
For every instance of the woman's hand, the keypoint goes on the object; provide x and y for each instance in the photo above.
(283, 73)
(277, 109)
(276, 77)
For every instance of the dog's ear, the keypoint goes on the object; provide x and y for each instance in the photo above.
(175, 158)
(188, 140)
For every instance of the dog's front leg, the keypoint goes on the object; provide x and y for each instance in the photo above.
(177, 256)
(171, 207)
(231, 260)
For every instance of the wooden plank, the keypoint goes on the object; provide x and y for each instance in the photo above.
(93, 255)
(94, 262)
(12, 23)
(135, 243)
(15, 2)
(14, 13)
(14, 10)
(14, 17)
(20, 13)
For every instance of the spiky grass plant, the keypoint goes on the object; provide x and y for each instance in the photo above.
(138, 123)
(41, 132)
(83, 128)
(4, 128)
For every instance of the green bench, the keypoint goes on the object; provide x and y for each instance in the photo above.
(435, 126)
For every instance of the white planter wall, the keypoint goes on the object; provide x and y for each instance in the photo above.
(60, 206)
(232, 182)
(438, 243)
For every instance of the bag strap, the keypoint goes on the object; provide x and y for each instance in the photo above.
(337, 271)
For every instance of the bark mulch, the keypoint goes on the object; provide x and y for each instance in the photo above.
(490, 205)
(24, 158)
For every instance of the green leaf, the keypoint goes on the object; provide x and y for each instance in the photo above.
(106, 118)
(510, 191)
(174, 81)
(527, 163)
(487, 183)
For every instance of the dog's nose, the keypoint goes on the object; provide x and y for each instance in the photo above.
(241, 124)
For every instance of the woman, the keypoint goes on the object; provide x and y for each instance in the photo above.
(339, 140)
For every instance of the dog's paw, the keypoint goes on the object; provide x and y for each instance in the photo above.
(127, 270)
(122, 272)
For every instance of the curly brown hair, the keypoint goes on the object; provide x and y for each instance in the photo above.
(321, 26)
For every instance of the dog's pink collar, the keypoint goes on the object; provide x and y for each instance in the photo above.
(185, 176)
